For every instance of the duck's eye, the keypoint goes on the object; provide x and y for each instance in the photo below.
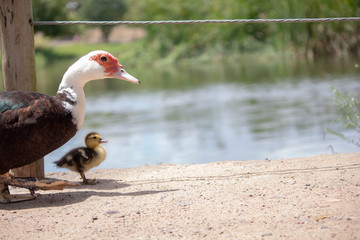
(94, 137)
(103, 59)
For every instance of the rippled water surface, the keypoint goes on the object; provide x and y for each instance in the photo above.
(197, 113)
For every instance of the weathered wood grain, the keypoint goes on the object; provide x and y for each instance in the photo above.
(18, 60)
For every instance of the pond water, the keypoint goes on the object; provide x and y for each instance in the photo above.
(245, 109)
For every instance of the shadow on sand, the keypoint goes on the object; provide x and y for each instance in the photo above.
(104, 188)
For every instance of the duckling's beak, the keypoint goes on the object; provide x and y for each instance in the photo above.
(103, 141)
(123, 75)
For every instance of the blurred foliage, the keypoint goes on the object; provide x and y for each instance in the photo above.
(173, 42)
(103, 10)
(313, 39)
(348, 106)
(49, 10)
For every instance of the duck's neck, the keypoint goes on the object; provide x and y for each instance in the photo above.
(73, 98)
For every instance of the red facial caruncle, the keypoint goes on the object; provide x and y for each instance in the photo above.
(108, 61)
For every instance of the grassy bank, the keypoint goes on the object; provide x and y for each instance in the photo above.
(143, 52)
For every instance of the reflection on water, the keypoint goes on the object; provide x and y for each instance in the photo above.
(241, 110)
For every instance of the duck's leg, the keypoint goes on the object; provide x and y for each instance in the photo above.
(29, 183)
(6, 197)
(87, 181)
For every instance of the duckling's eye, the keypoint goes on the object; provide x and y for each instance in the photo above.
(103, 59)
(94, 137)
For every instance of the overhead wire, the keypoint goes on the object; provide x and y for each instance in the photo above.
(209, 21)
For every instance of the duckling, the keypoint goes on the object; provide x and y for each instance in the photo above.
(82, 159)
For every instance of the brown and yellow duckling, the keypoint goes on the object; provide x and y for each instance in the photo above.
(83, 159)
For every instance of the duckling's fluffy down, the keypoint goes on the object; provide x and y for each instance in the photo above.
(82, 159)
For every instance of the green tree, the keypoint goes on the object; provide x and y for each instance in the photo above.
(50, 10)
(314, 39)
(103, 10)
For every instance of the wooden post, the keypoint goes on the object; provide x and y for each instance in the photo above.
(18, 60)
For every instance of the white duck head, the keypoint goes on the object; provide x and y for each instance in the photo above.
(94, 65)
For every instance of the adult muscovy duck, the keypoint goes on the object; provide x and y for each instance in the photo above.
(34, 124)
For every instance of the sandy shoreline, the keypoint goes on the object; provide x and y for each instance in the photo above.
(305, 198)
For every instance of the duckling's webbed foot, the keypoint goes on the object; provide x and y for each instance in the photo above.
(88, 181)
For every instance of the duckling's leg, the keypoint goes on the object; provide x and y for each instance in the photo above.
(87, 181)
(6, 197)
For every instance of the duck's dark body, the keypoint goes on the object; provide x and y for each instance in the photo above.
(31, 126)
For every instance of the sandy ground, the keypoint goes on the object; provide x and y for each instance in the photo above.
(305, 198)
